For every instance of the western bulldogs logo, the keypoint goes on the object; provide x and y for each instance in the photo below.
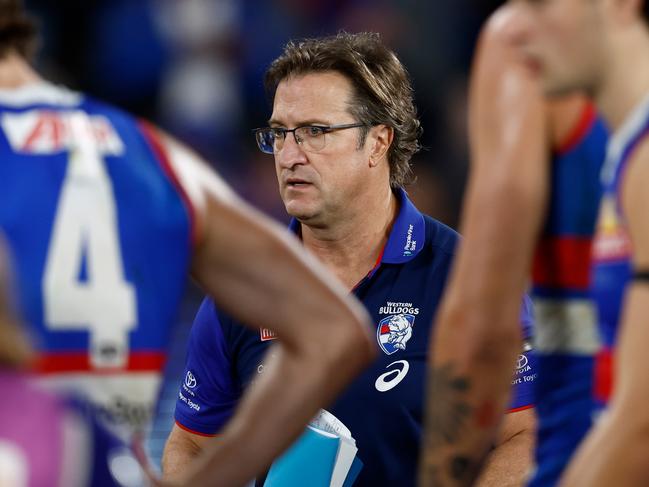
(394, 332)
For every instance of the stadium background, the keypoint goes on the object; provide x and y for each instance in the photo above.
(195, 67)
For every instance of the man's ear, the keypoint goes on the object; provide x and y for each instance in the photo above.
(380, 137)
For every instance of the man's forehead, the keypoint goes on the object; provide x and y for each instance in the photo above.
(319, 96)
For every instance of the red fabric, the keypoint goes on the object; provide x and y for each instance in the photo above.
(578, 132)
(562, 262)
(80, 362)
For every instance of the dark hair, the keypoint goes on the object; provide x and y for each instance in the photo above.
(17, 30)
(382, 92)
(645, 10)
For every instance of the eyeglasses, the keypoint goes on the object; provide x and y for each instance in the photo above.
(310, 137)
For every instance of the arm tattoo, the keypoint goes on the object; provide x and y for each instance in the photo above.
(449, 414)
(448, 409)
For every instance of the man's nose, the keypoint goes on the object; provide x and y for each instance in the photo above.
(291, 153)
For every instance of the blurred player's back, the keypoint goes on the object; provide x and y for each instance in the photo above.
(101, 240)
(566, 338)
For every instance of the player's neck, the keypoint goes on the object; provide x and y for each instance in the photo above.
(351, 245)
(16, 72)
(624, 89)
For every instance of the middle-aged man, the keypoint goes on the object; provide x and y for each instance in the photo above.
(531, 204)
(343, 130)
(602, 46)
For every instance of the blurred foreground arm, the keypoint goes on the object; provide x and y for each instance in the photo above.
(477, 330)
(260, 275)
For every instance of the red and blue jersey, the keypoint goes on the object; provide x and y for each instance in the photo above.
(612, 255)
(384, 407)
(567, 339)
(99, 232)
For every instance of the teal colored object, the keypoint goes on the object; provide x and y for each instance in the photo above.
(310, 461)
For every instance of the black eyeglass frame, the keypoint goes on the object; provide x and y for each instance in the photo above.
(324, 128)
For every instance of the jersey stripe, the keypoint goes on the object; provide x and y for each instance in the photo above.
(153, 138)
(579, 131)
(52, 363)
(603, 375)
(569, 327)
(563, 262)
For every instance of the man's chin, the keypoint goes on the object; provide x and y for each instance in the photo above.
(300, 212)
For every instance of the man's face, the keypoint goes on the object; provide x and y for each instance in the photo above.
(316, 186)
(564, 41)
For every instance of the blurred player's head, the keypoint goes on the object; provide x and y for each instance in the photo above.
(17, 30)
(14, 349)
(381, 92)
(575, 44)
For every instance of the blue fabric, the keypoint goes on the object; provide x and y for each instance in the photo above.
(566, 408)
(575, 184)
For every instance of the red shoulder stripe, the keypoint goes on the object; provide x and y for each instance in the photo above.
(579, 131)
(153, 138)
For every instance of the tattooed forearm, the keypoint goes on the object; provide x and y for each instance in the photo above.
(449, 410)
(449, 415)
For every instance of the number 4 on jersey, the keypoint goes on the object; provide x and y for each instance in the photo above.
(85, 231)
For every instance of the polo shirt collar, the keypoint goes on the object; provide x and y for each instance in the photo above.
(408, 233)
(407, 236)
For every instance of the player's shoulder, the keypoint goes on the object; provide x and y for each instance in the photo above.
(118, 116)
(499, 32)
(495, 27)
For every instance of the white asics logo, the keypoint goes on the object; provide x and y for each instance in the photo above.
(389, 380)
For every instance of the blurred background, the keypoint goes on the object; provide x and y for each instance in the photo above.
(195, 67)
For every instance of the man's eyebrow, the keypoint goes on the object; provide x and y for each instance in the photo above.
(276, 123)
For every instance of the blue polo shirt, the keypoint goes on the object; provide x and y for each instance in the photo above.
(384, 407)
